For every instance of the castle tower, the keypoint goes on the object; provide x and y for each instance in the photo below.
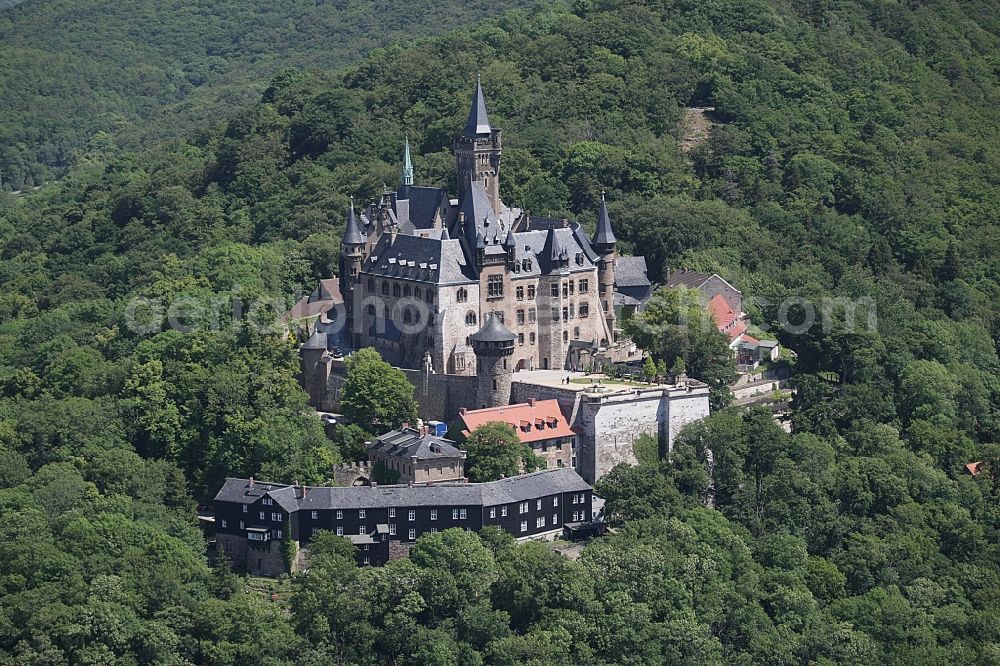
(315, 373)
(493, 345)
(477, 151)
(406, 173)
(351, 258)
(604, 245)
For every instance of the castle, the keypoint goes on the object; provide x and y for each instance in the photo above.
(421, 273)
(481, 305)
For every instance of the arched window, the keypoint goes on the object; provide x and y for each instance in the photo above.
(385, 288)
(406, 290)
(470, 318)
(371, 285)
(371, 310)
(395, 289)
(462, 295)
(416, 292)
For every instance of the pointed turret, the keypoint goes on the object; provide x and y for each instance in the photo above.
(352, 232)
(604, 234)
(478, 150)
(604, 245)
(406, 173)
(478, 123)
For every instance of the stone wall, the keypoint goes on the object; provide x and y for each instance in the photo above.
(256, 559)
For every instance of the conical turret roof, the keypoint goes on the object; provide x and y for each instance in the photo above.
(316, 341)
(478, 123)
(604, 234)
(352, 233)
(493, 331)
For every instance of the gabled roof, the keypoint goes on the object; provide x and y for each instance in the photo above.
(604, 235)
(428, 260)
(478, 123)
(631, 272)
(693, 279)
(505, 491)
(721, 312)
(421, 205)
(533, 423)
(407, 443)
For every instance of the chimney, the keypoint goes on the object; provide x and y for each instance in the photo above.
(406, 425)
(462, 411)
(250, 482)
(531, 402)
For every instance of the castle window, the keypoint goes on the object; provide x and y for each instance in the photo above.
(470, 318)
(579, 258)
(494, 385)
(416, 316)
(576, 332)
(406, 290)
(416, 292)
(565, 287)
(565, 336)
(584, 310)
(526, 265)
(555, 314)
(531, 291)
(371, 284)
(494, 286)
(555, 290)
(571, 286)
(520, 338)
(385, 288)
(407, 317)
(520, 316)
(430, 297)
(531, 338)
(462, 296)
(565, 314)
(531, 315)
(371, 309)
(395, 290)
(584, 286)
(572, 311)
(519, 293)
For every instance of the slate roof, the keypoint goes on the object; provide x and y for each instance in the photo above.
(493, 331)
(533, 423)
(352, 232)
(692, 279)
(316, 341)
(505, 491)
(478, 124)
(631, 272)
(409, 443)
(428, 260)
(604, 235)
(421, 204)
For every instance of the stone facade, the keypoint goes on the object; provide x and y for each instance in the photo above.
(420, 272)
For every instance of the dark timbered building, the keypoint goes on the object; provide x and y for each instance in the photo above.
(253, 518)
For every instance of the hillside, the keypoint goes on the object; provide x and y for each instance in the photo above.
(89, 75)
(853, 154)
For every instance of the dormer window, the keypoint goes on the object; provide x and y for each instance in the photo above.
(579, 258)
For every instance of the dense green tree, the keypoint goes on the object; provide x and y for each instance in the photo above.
(376, 397)
(494, 451)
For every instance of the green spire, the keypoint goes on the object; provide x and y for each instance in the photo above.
(406, 173)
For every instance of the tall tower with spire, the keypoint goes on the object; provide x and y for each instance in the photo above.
(604, 242)
(406, 173)
(351, 259)
(477, 151)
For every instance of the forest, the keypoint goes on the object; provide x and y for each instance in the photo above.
(853, 157)
(78, 76)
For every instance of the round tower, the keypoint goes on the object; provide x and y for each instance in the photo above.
(604, 242)
(351, 261)
(477, 151)
(493, 345)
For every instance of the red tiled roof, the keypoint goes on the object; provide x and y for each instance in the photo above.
(519, 416)
(749, 338)
(738, 329)
(721, 312)
(973, 468)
